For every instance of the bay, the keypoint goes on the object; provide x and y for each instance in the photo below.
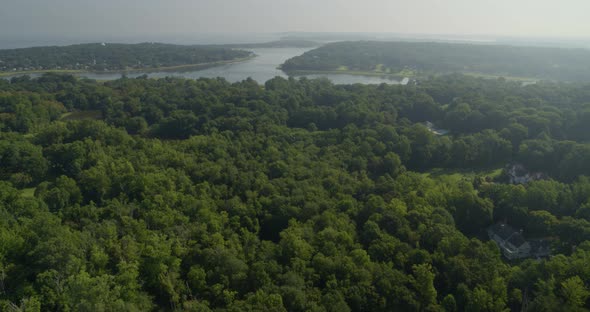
(261, 68)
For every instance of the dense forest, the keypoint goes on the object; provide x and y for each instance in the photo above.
(296, 195)
(428, 58)
(113, 56)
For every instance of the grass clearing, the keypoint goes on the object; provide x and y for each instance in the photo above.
(28, 192)
(82, 115)
(407, 73)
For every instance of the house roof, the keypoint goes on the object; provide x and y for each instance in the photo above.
(538, 245)
(516, 240)
(504, 231)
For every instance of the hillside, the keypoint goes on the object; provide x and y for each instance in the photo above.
(113, 57)
(299, 195)
(428, 58)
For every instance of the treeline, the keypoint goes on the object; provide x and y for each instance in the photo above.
(113, 56)
(428, 58)
(298, 195)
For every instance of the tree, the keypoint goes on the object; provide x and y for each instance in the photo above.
(574, 292)
(424, 284)
(449, 304)
(63, 192)
(540, 223)
(472, 213)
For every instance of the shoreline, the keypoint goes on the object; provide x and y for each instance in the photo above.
(493, 76)
(186, 67)
(346, 72)
(298, 73)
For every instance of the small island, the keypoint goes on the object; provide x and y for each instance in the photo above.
(116, 57)
(424, 59)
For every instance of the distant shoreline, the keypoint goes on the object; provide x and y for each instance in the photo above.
(297, 73)
(345, 72)
(185, 67)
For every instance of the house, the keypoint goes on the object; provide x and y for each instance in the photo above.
(518, 174)
(511, 242)
(437, 131)
(539, 248)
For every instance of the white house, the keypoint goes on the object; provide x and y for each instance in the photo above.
(437, 131)
(511, 242)
(518, 174)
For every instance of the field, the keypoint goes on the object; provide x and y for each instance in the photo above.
(81, 115)
(28, 192)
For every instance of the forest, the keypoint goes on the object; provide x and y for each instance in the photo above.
(113, 57)
(296, 195)
(435, 58)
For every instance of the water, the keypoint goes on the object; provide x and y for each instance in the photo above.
(261, 69)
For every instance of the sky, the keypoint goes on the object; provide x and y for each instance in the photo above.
(161, 18)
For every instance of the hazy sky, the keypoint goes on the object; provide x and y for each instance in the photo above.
(162, 17)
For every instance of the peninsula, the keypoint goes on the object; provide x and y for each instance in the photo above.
(116, 57)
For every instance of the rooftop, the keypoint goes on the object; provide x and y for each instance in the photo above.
(516, 239)
(504, 231)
